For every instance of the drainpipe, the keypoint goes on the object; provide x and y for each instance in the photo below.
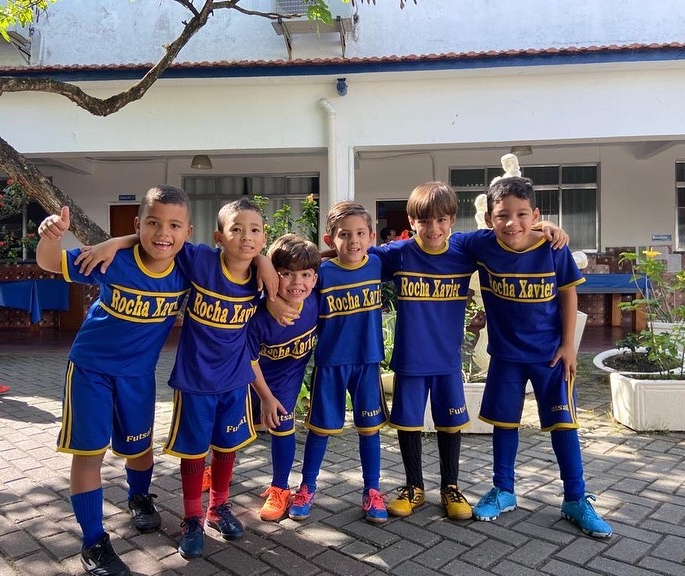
(327, 107)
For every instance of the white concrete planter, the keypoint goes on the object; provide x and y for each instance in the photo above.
(474, 396)
(646, 405)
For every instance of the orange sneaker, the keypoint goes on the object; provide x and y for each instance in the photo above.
(276, 505)
(207, 479)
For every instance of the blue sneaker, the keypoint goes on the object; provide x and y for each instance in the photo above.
(192, 539)
(493, 504)
(374, 507)
(583, 514)
(301, 504)
(221, 518)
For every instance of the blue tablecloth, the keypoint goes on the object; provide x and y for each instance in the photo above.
(611, 284)
(35, 296)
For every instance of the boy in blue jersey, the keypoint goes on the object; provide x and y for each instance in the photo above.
(110, 381)
(212, 372)
(347, 358)
(431, 278)
(530, 300)
(279, 358)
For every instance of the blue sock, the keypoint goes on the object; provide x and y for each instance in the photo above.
(138, 481)
(88, 510)
(567, 450)
(505, 444)
(314, 451)
(370, 456)
(282, 457)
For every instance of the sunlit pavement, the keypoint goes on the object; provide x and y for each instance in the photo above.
(639, 480)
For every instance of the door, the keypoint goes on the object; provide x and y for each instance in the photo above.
(121, 219)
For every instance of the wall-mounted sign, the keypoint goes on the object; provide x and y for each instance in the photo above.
(124, 197)
(661, 237)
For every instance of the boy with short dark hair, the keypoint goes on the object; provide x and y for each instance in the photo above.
(111, 369)
(279, 358)
(212, 372)
(530, 300)
(347, 358)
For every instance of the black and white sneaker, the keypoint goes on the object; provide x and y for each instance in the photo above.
(146, 518)
(100, 559)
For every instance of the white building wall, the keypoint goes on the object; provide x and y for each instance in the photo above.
(116, 31)
(392, 130)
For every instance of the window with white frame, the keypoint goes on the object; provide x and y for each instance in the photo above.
(566, 195)
(680, 204)
(209, 193)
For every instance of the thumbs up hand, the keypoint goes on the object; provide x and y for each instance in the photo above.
(54, 226)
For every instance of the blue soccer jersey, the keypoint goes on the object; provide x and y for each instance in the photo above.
(283, 351)
(432, 289)
(128, 324)
(520, 294)
(350, 324)
(212, 355)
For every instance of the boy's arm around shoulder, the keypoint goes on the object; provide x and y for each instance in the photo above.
(51, 232)
(103, 253)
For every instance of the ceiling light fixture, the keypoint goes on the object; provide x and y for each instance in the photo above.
(201, 162)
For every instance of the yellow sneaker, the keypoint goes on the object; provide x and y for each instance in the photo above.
(276, 505)
(408, 498)
(454, 502)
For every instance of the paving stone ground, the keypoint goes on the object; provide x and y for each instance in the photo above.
(639, 480)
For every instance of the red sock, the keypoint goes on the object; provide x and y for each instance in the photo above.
(192, 471)
(222, 472)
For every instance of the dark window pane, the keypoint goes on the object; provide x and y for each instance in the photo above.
(579, 175)
(680, 171)
(580, 217)
(548, 204)
(492, 172)
(681, 218)
(466, 210)
(467, 177)
(542, 175)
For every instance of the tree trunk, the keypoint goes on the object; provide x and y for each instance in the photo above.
(51, 198)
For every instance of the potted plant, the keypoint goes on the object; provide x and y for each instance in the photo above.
(647, 368)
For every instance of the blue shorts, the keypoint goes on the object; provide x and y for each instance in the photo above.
(448, 403)
(204, 422)
(98, 408)
(330, 385)
(505, 392)
(286, 421)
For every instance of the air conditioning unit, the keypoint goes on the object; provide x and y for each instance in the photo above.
(20, 38)
(337, 8)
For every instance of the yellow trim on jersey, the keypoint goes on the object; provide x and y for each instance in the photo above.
(67, 410)
(442, 250)
(148, 293)
(64, 266)
(348, 312)
(533, 247)
(222, 296)
(177, 405)
(132, 455)
(224, 269)
(337, 262)
(525, 275)
(139, 260)
(347, 286)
